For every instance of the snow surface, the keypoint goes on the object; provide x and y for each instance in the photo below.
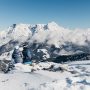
(76, 76)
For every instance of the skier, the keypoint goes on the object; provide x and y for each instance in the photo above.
(26, 55)
(17, 55)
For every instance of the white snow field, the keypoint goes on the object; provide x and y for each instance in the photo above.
(75, 76)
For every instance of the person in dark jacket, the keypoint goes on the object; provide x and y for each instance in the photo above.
(26, 55)
(17, 55)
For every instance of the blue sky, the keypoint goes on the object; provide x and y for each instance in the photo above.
(67, 13)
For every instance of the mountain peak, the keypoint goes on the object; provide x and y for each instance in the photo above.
(52, 23)
(53, 26)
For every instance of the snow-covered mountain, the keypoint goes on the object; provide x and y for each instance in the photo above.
(45, 40)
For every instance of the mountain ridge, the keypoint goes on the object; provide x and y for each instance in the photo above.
(54, 39)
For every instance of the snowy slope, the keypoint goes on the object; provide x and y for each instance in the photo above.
(76, 76)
